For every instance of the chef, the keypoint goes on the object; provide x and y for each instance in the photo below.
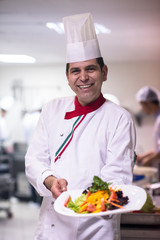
(149, 101)
(79, 137)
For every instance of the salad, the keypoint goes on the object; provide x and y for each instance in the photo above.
(99, 197)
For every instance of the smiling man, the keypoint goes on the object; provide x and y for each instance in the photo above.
(80, 137)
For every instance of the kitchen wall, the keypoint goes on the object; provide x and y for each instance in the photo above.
(124, 80)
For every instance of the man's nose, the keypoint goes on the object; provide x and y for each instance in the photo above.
(84, 76)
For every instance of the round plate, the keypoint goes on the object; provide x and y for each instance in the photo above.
(137, 197)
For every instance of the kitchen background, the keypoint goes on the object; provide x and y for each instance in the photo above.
(35, 85)
(129, 40)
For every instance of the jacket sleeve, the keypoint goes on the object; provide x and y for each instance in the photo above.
(157, 137)
(120, 152)
(37, 159)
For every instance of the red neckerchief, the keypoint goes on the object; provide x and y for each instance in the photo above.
(83, 110)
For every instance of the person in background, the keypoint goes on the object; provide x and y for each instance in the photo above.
(6, 145)
(30, 120)
(3, 128)
(150, 104)
(79, 137)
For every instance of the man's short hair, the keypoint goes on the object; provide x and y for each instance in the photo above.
(99, 61)
(155, 102)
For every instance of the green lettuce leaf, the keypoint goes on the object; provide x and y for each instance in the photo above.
(98, 185)
(75, 206)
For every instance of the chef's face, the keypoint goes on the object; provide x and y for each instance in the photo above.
(85, 79)
(146, 107)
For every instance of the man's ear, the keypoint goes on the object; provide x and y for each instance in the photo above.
(67, 77)
(105, 72)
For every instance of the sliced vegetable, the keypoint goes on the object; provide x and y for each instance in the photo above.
(115, 204)
(113, 196)
(103, 207)
(67, 201)
(83, 208)
(91, 207)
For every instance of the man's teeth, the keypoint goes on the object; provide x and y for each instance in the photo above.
(85, 86)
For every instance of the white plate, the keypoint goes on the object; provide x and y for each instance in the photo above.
(137, 197)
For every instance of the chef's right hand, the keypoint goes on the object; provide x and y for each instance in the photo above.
(55, 185)
(139, 158)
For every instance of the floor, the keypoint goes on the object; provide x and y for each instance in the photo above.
(23, 223)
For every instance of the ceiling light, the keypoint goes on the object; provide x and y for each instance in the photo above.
(59, 28)
(8, 58)
(101, 29)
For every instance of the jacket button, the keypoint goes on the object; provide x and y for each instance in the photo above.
(52, 203)
(59, 157)
(61, 134)
(52, 225)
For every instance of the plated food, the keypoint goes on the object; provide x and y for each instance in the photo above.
(100, 199)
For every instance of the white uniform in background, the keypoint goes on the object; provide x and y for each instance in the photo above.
(156, 135)
(157, 132)
(103, 144)
(4, 134)
(5, 104)
(29, 123)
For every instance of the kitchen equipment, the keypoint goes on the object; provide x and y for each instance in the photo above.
(143, 175)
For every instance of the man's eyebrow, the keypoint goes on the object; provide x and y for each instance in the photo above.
(87, 67)
(91, 66)
(74, 69)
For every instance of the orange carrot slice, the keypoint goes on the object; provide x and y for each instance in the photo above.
(113, 196)
(67, 201)
(115, 204)
(103, 208)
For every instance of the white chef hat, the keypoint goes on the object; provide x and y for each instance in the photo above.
(6, 103)
(81, 38)
(146, 94)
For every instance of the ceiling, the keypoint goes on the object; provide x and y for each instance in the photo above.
(135, 27)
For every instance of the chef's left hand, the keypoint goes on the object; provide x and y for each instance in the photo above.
(55, 185)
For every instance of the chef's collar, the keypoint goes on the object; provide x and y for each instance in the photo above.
(83, 110)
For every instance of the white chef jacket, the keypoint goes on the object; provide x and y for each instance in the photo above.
(103, 144)
(4, 135)
(157, 132)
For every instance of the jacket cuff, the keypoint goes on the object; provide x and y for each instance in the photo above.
(43, 191)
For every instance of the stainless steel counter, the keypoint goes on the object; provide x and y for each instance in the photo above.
(140, 226)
